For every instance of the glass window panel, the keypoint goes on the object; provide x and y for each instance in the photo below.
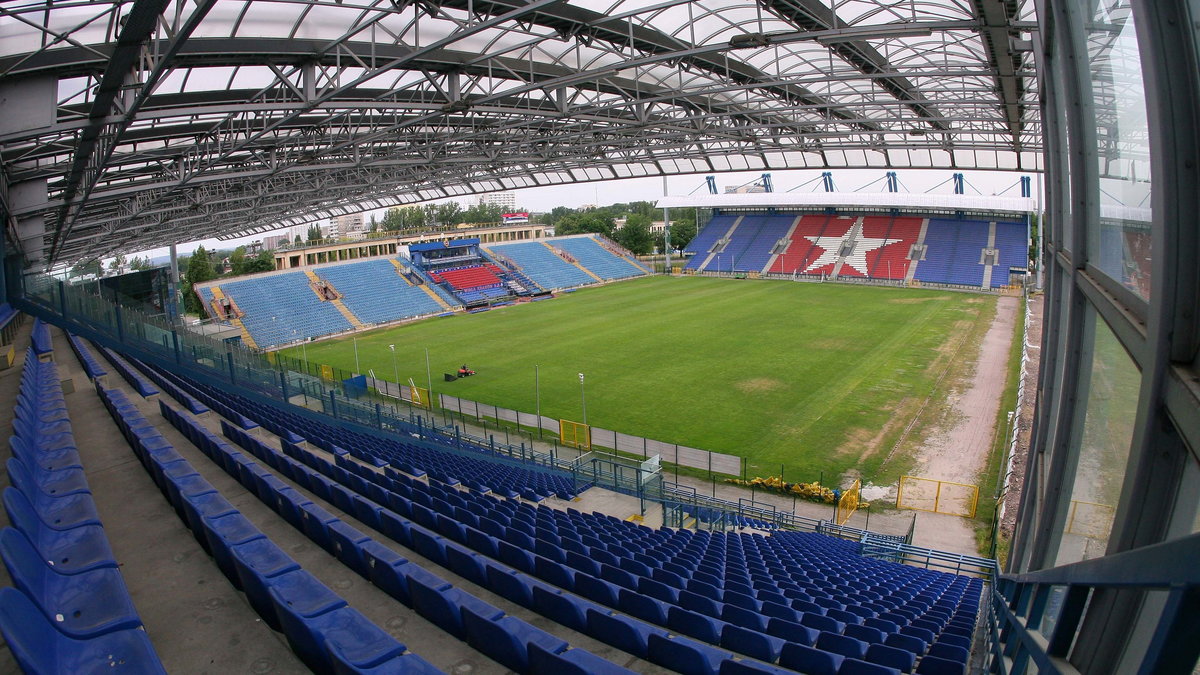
(1119, 244)
(1112, 382)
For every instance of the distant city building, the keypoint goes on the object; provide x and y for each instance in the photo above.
(276, 241)
(506, 200)
(349, 225)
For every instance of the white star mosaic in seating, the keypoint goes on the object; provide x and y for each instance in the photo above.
(832, 245)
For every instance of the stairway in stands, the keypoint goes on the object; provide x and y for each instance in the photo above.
(219, 295)
(336, 302)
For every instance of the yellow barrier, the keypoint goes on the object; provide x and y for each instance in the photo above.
(848, 503)
(575, 434)
(937, 496)
(326, 373)
(420, 397)
(1090, 519)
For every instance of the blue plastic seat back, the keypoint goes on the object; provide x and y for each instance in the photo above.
(842, 644)
(751, 643)
(949, 652)
(906, 642)
(745, 618)
(932, 665)
(60, 513)
(900, 659)
(809, 660)
(39, 648)
(347, 547)
(732, 667)
(563, 609)
(438, 604)
(686, 656)
(300, 593)
(859, 667)
(618, 630)
(792, 632)
(692, 624)
(865, 633)
(570, 662)
(80, 605)
(352, 640)
(642, 606)
(506, 640)
(71, 551)
(956, 640)
(56, 483)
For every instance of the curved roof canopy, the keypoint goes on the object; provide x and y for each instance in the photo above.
(133, 124)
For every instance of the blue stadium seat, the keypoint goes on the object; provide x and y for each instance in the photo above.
(857, 667)
(510, 584)
(949, 652)
(751, 643)
(642, 606)
(809, 660)
(443, 605)
(78, 549)
(792, 632)
(732, 667)
(841, 644)
(225, 532)
(685, 656)
(316, 522)
(745, 618)
(865, 633)
(570, 662)
(466, 564)
(562, 608)
(955, 640)
(358, 643)
(257, 563)
(38, 647)
(506, 639)
(389, 570)
(932, 665)
(620, 631)
(900, 659)
(347, 547)
(692, 624)
(79, 605)
(59, 513)
(65, 481)
(906, 642)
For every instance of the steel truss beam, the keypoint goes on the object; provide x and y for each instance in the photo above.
(180, 119)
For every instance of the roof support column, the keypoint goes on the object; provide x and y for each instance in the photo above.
(29, 104)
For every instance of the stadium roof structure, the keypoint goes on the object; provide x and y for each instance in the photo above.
(131, 124)
(871, 200)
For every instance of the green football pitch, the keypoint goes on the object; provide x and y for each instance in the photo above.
(817, 377)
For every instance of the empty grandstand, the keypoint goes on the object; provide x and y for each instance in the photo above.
(335, 298)
(780, 235)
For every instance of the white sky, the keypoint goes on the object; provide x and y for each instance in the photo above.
(650, 189)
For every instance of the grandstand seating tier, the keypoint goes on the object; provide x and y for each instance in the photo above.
(596, 258)
(541, 265)
(376, 293)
